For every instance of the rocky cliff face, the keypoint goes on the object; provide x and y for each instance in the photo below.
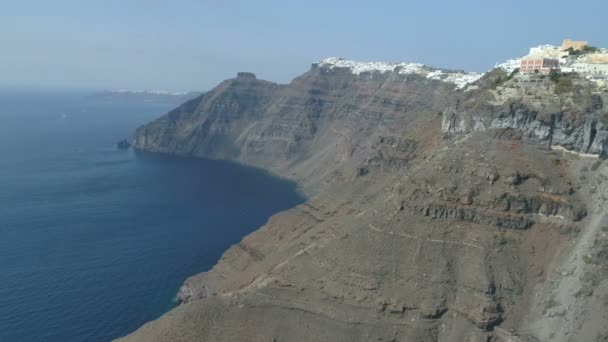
(437, 212)
(528, 107)
(311, 130)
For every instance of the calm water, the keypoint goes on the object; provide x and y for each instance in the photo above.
(95, 241)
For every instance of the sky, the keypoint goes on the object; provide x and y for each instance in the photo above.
(195, 44)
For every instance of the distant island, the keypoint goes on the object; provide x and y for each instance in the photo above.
(123, 144)
(147, 95)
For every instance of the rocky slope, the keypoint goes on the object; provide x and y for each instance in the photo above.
(443, 207)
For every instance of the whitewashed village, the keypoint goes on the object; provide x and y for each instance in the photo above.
(572, 56)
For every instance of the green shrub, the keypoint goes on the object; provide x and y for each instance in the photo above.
(588, 259)
(564, 85)
(554, 75)
(584, 50)
(497, 82)
(501, 79)
(590, 49)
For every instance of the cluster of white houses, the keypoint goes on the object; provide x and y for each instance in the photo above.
(571, 56)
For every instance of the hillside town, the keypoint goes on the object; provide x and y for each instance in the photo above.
(572, 56)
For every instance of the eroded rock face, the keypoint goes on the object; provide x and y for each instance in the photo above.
(309, 129)
(576, 121)
(434, 212)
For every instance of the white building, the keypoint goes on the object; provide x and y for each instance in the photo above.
(547, 51)
(509, 66)
(595, 69)
(593, 66)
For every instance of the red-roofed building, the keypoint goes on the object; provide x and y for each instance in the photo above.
(541, 65)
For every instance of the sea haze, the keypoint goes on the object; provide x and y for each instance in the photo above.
(95, 241)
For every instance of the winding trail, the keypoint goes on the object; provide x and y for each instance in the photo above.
(409, 236)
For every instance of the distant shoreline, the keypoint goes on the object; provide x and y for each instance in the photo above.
(146, 95)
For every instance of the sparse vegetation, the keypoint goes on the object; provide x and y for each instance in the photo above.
(590, 49)
(592, 278)
(584, 291)
(556, 161)
(518, 290)
(550, 304)
(502, 241)
(501, 79)
(585, 50)
(588, 259)
(554, 75)
(563, 81)
(564, 85)
(591, 101)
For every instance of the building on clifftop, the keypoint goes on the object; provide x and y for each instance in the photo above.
(540, 65)
(574, 44)
(245, 75)
(546, 51)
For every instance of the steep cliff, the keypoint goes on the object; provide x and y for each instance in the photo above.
(437, 208)
(528, 106)
(311, 130)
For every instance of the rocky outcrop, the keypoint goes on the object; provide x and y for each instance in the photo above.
(435, 207)
(459, 213)
(123, 144)
(579, 125)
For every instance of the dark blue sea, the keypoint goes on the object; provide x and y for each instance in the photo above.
(96, 241)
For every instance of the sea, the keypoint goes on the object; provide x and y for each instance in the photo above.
(96, 241)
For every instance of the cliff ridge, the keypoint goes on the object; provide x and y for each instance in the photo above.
(443, 206)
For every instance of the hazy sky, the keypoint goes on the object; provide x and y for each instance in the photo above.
(193, 44)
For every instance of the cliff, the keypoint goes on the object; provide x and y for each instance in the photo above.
(438, 209)
(317, 129)
(527, 105)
